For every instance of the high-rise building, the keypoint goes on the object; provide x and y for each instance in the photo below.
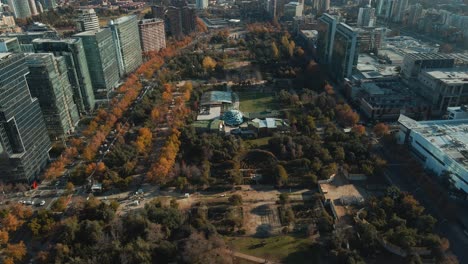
(182, 20)
(399, 9)
(101, 57)
(152, 34)
(320, 6)
(48, 81)
(293, 9)
(48, 4)
(78, 72)
(20, 8)
(414, 63)
(127, 41)
(24, 143)
(326, 36)
(39, 6)
(158, 11)
(345, 52)
(202, 4)
(370, 39)
(33, 8)
(87, 20)
(8, 44)
(366, 17)
(415, 13)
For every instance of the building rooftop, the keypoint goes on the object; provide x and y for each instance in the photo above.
(216, 97)
(69, 40)
(310, 33)
(449, 76)
(450, 136)
(150, 21)
(89, 32)
(5, 55)
(121, 20)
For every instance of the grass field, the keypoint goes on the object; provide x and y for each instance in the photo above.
(284, 249)
(253, 102)
(259, 142)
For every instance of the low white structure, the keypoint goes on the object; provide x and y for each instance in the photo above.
(458, 112)
(442, 146)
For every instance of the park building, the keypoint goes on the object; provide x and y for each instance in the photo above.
(152, 34)
(87, 20)
(24, 143)
(441, 145)
(48, 82)
(127, 43)
(101, 57)
(78, 72)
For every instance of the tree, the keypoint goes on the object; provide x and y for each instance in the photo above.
(60, 204)
(235, 200)
(10, 222)
(3, 237)
(16, 251)
(359, 129)
(209, 63)
(70, 187)
(282, 175)
(274, 50)
(381, 130)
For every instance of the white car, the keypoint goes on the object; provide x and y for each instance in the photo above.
(42, 203)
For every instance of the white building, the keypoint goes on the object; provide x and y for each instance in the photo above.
(87, 20)
(441, 145)
(293, 9)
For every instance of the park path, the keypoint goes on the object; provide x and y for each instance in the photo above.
(250, 258)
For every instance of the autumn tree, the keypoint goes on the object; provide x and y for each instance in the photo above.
(208, 63)
(381, 130)
(144, 139)
(16, 251)
(274, 50)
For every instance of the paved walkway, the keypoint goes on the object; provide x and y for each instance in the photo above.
(250, 258)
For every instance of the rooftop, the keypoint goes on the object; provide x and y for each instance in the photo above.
(449, 76)
(216, 97)
(88, 33)
(450, 136)
(123, 19)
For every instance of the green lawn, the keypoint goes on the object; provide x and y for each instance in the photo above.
(253, 102)
(285, 249)
(259, 142)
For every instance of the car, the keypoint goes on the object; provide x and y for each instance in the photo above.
(42, 203)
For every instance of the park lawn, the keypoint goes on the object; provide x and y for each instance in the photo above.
(259, 142)
(255, 102)
(284, 248)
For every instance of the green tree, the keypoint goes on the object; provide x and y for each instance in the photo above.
(235, 200)
(282, 175)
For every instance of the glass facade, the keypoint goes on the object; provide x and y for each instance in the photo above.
(23, 134)
(48, 81)
(78, 73)
(127, 40)
(102, 60)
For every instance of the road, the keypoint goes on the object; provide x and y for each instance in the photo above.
(399, 176)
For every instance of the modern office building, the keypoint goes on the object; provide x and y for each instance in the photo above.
(326, 36)
(48, 4)
(152, 34)
(441, 145)
(158, 11)
(20, 8)
(48, 81)
(102, 62)
(87, 20)
(370, 39)
(414, 63)
(24, 143)
(293, 9)
(8, 44)
(39, 6)
(399, 8)
(444, 88)
(202, 4)
(78, 72)
(127, 42)
(345, 52)
(366, 17)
